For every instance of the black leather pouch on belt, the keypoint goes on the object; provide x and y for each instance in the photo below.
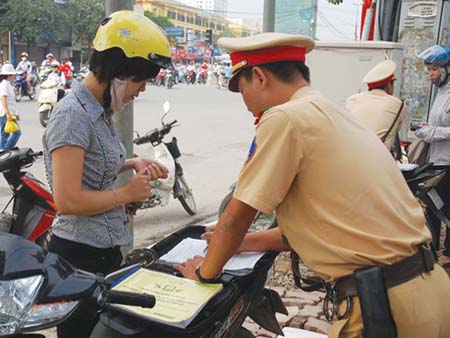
(374, 300)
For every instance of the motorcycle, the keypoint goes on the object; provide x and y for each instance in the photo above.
(260, 222)
(190, 77)
(169, 78)
(20, 87)
(202, 76)
(422, 181)
(44, 72)
(81, 75)
(168, 154)
(48, 96)
(41, 291)
(33, 208)
(222, 80)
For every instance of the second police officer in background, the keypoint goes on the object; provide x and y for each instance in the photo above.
(377, 108)
(341, 202)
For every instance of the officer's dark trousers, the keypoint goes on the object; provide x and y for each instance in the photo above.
(443, 189)
(90, 259)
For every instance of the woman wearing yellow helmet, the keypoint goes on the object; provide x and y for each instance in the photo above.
(84, 155)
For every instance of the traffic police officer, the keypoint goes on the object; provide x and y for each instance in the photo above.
(377, 109)
(341, 202)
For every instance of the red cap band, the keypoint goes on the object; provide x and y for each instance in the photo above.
(373, 85)
(268, 55)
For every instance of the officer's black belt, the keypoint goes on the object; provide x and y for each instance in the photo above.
(398, 273)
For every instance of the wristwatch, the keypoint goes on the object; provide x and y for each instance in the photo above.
(206, 280)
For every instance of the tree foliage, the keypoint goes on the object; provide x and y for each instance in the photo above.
(30, 20)
(161, 21)
(85, 16)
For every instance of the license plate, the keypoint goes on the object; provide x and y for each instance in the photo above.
(438, 203)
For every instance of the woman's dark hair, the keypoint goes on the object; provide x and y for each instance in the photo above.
(285, 71)
(113, 63)
(3, 77)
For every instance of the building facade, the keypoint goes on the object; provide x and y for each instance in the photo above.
(220, 7)
(296, 17)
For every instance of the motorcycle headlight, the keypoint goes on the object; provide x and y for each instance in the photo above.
(43, 314)
(16, 298)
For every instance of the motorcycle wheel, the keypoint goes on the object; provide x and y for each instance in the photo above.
(43, 117)
(17, 93)
(44, 240)
(32, 95)
(185, 196)
(260, 222)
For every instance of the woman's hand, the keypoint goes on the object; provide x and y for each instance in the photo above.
(423, 124)
(9, 116)
(137, 188)
(155, 169)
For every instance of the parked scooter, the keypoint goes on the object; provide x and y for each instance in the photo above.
(41, 291)
(168, 154)
(33, 208)
(422, 181)
(48, 96)
(20, 87)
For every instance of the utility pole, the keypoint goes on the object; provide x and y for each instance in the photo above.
(269, 16)
(123, 121)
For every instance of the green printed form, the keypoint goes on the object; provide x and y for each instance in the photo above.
(178, 300)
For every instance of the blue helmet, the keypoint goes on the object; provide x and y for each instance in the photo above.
(439, 55)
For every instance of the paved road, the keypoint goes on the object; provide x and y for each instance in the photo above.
(214, 133)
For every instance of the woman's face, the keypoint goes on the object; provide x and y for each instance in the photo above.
(133, 89)
(10, 78)
(434, 72)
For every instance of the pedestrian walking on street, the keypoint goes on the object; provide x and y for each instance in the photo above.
(341, 202)
(436, 132)
(83, 153)
(377, 108)
(8, 109)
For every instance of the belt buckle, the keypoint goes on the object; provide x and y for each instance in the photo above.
(331, 302)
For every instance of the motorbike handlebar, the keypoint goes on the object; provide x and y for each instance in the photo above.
(36, 154)
(156, 136)
(134, 299)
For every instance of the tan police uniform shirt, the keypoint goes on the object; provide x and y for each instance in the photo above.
(340, 199)
(377, 110)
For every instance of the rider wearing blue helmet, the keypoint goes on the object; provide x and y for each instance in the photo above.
(436, 132)
(437, 59)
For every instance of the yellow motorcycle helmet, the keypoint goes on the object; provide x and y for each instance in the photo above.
(136, 36)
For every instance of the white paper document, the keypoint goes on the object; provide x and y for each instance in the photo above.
(290, 332)
(407, 166)
(190, 247)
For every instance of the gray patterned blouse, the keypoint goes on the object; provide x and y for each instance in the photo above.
(79, 120)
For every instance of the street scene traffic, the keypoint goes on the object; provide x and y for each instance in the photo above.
(220, 169)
